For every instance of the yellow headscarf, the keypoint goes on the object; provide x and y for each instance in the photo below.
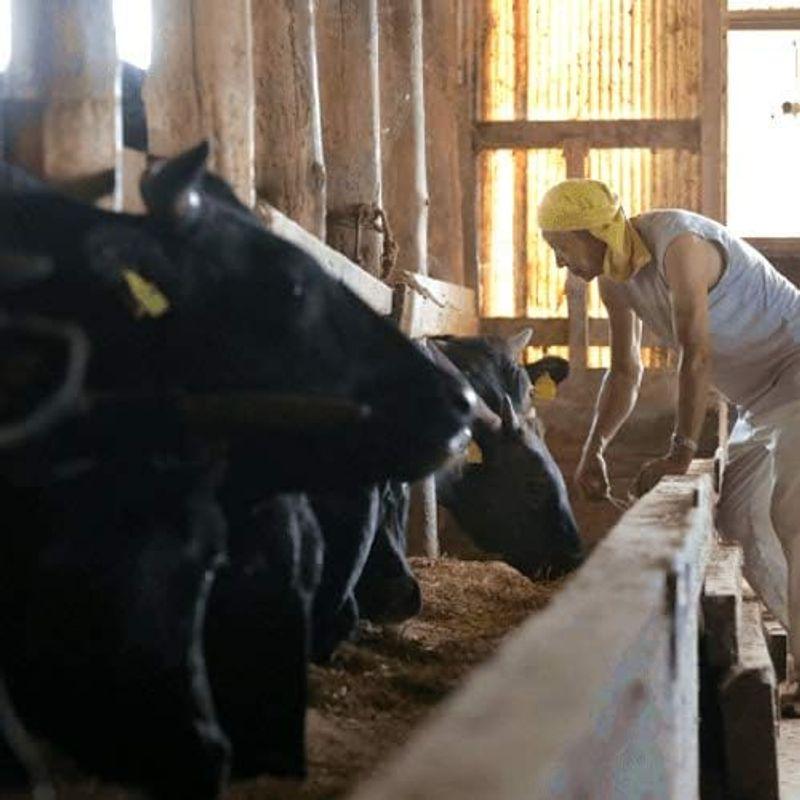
(583, 204)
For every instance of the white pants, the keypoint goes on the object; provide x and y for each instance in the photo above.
(760, 508)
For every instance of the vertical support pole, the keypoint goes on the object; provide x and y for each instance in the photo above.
(575, 153)
(200, 85)
(448, 139)
(521, 160)
(64, 84)
(712, 112)
(289, 161)
(348, 55)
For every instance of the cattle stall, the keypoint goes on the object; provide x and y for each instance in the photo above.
(385, 138)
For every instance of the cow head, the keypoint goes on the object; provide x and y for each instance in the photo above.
(492, 366)
(196, 299)
(512, 500)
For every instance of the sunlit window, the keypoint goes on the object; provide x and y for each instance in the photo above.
(133, 20)
(5, 34)
(763, 132)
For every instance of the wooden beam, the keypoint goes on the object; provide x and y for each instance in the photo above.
(428, 307)
(749, 715)
(712, 112)
(200, 85)
(602, 679)
(722, 606)
(63, 77)
(554, 331)
(776, 19)
(347, 38)
(373, 292)
(612, 133)
(289, 161)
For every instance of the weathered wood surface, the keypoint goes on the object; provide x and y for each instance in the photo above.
(347, 35)
(62, 82)
(373, 292)
(747, 698)
(722, 606)
(712, 111)
(777, 639)
(448, 132)
(289, 161)
(682, 134)
(403, 155)
(555, 331)
(429, 307)
(200, 85)
(603, 679)
(775, 19)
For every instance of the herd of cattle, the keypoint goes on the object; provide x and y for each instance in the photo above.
(204, 448)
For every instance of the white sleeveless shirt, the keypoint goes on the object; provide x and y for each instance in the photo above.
(754, 312)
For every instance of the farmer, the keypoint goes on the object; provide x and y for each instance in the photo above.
(735, 322)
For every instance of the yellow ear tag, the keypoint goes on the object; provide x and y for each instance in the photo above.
(149, 300)
(474, 454)
(545, 387)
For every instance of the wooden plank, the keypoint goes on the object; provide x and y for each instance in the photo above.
(373, 292)
(604, 678)
(712, 111)
(613, 133)
(747, 698)
(722, 606)
(200, 85)
(347, 41)
(289, 160)
(554, 331)
(777, 638)
(778, 19)
(425, 306)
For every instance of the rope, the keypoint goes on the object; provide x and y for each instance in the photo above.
(363, 216)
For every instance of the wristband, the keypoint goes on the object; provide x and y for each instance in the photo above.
(684, 442)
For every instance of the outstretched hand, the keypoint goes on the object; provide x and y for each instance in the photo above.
(591, 477)
(652, 472)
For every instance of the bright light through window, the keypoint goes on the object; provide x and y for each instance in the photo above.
(5, 34)
(763, 140)
(133, 20)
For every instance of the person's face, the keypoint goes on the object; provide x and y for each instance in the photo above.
(578, 251)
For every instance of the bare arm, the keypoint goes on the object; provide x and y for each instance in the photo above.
(618, 391)
(620, 387)
(692, 265)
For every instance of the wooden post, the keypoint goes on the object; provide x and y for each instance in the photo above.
(521, 161)
(405, 165)
(289, 162)
(712, 114)
(63, 85)
(575, 152)
(404, 182)
(348, 49)
(200, 85)
(446, 99)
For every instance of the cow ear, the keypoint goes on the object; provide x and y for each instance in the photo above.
(509, 417)
(557, 368)
(518, 342)
(171, 188)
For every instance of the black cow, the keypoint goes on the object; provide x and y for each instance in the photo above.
(207, 332)
(513, 502)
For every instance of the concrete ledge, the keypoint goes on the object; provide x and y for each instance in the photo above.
(594, 697)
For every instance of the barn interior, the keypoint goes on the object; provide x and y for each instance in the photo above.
(405, 145)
